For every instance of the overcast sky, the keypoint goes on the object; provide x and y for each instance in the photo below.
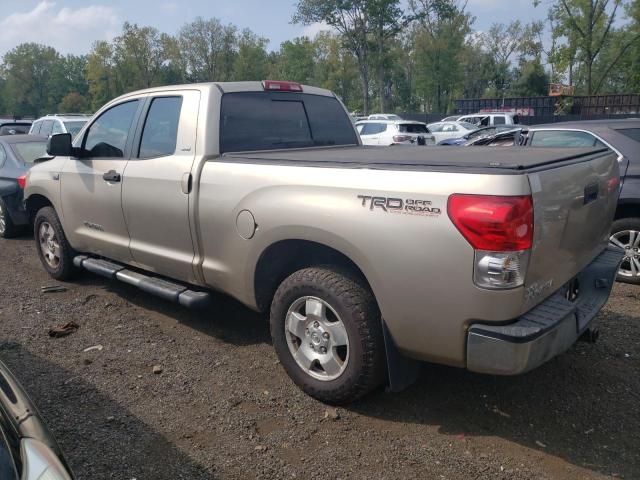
(71, 26)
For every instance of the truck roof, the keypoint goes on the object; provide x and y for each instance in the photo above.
(497, 159)
(226, 87)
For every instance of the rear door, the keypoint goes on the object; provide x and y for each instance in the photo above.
(91, 186)
(157, 184)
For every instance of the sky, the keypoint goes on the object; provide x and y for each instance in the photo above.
(71, 26)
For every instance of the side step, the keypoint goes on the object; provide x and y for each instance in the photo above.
(174, 292)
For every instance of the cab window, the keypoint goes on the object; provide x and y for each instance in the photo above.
(160, 132)
(47, 128)
(564, 138)
(57, 128)
(107, 136)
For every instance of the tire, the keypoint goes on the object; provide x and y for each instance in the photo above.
(53, 249)
(7, 228)
(625, 232)
(344, 310)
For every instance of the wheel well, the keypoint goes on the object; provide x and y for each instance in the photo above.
(285, 257)
(35, 203)
(627, 210)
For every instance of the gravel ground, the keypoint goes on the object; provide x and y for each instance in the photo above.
(222, 407)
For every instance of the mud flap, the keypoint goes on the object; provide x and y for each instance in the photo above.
(403, 371)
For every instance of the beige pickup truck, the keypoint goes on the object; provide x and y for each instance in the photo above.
(368, 259)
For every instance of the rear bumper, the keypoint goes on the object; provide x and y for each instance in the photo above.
(546, 330)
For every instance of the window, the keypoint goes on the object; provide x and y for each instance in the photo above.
(274, 120)
(57, 128)
(47, 128)
(373, 128)
(563, 138)
(107, 136)
(435, 127)
(35, 130)
(74, 127)
(412, 128)
(449, 127)
(632, 133)
(3, 156)
(160, 132)
(29, 152)
(499, 120)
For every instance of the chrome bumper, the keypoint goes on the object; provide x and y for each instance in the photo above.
(546, 330)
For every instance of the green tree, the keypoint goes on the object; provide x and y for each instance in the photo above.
(296, 61)
(29, 87)
(73, 102)
(139, 55)
(531, 79)
(251, 62)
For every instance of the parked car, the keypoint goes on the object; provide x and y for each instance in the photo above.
(444, 130)
(474, 135)
(509, 137)
(53, 124)
(394, 132)
(17, 155)
(384, 116)
(14, 128)
(451, 118)
(359, 254)
(623, 137)
(28, 451)
(490, 119)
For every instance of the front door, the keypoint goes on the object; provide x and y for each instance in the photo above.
(91, 186)
(157, 183)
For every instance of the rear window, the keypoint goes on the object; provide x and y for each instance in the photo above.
(499, 120)
(412, 128)
(29, 152)
(632, 133)
(274, 120)
(14, 129)
(74, 127)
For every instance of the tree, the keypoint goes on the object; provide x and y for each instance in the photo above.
(139, 55)
(588, 27)
(439, 41)
(531, 80)
(207, 48)
(28, 87)
(251, 61)
(73, 102)
(351, 19)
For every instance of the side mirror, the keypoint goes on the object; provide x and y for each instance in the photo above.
(59, 145)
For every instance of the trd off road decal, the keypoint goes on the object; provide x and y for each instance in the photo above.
(408, 206)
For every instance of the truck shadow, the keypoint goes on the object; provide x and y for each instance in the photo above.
(99, 438)
(581, 407)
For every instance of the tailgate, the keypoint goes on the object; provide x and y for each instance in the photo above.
(574, 204)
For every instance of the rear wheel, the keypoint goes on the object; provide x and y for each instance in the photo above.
(327, 332)
(7, 228)
(625, 234)
(54, 251)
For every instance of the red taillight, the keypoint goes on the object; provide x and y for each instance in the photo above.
(494, 223)
(281, 86)
(22, 181)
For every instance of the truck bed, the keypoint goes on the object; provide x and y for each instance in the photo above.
(502, 160)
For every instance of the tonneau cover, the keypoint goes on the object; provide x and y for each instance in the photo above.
(412, 157)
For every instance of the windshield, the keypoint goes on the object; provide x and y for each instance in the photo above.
(28, 152)
(74, 127)
(468, 126)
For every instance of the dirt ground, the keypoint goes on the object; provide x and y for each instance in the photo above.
(223, 407)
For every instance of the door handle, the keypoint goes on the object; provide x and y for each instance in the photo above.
(111, 176)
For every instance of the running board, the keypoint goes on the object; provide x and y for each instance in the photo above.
(174, 292)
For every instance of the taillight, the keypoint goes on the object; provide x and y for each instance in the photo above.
(402, 138)
(22, 181)
(500, 229)
(278, 85)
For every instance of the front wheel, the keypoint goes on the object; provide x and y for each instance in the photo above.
(625, 234)
(327, 332)
(54, 251)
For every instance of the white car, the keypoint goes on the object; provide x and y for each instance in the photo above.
(445, 130)
(491, 119)
(394, 132)
(384, 116)
(53, 124)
